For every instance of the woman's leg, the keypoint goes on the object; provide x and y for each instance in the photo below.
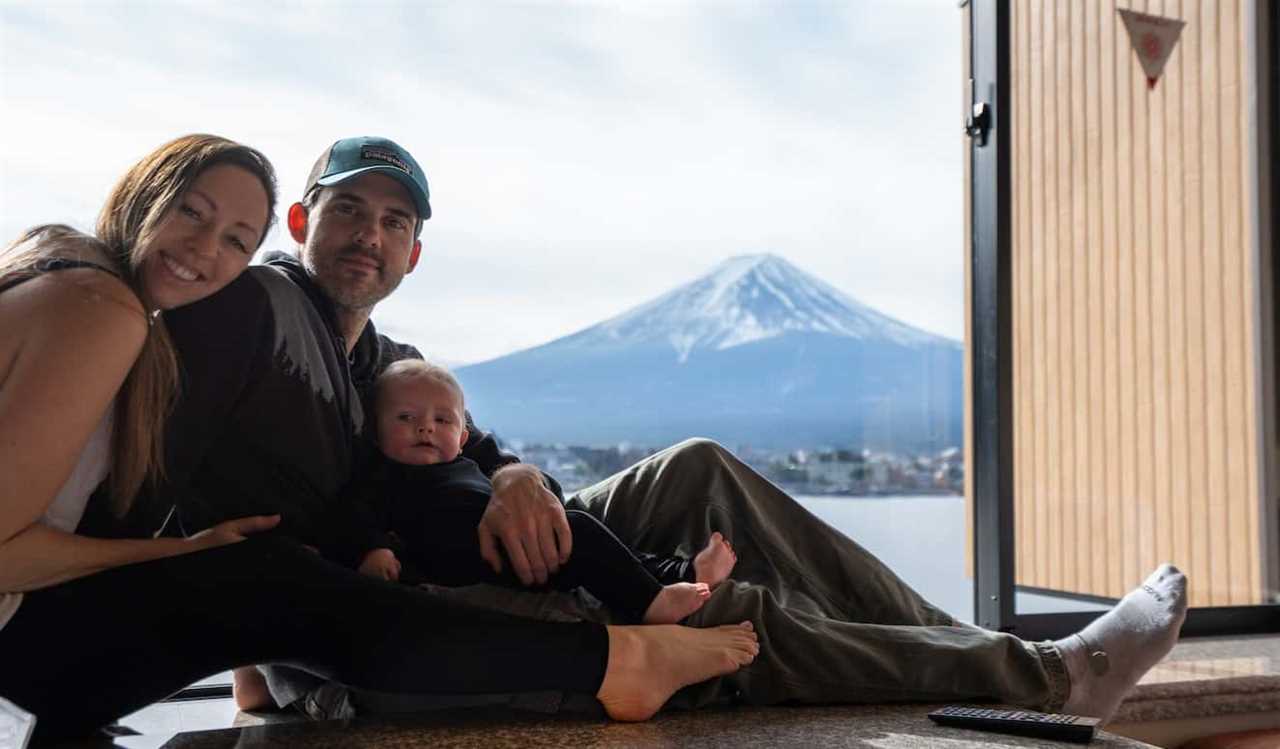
(160, 625)
(87, 652)
(678, 497)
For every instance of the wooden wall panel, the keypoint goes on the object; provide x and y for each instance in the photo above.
(1134, 303)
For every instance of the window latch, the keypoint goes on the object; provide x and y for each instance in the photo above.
(978, 123)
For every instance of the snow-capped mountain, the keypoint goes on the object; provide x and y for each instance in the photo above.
(750, 298)
(754, 352)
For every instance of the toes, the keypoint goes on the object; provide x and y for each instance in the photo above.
(1169, 578)
(743, 653)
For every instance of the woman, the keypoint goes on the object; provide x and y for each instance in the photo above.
(87, 375)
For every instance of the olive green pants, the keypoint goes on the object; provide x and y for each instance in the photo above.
(835, 624)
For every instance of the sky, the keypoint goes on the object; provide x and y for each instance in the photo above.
(583, 157)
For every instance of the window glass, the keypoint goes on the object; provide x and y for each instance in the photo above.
(652, 221)
(1136, 315)
(738, 222)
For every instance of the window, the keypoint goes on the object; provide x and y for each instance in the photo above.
(744, 223)
(1119, 279)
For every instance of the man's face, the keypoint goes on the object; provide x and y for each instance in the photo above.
(359, 239)
(420, 421)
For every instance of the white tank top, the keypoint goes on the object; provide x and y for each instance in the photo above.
(67, 508)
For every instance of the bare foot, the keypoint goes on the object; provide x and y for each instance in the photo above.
(250, 689)
(714, 563)
(648, 663)
(675, 602)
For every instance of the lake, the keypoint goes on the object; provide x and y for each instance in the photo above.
(921, 538)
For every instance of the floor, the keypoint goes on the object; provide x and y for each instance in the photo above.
(875, 727)
(1202, 678)
(1210, 676)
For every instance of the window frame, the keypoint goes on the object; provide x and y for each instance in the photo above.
(990, 347)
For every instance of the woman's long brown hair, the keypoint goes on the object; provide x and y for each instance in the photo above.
(134, 212)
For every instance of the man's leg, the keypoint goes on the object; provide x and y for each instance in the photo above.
(811, 659)
(675, 499)
(805, 658)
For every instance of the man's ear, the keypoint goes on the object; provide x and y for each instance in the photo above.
(297, 220)
(414, 254)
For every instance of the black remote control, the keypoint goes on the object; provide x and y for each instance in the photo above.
(1021, 722)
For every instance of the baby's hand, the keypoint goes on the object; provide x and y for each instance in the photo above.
(382, 564)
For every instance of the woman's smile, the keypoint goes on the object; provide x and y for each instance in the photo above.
(178, 269)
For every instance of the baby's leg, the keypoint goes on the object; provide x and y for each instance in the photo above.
(716, 560)
(609, 571)
(711, 567)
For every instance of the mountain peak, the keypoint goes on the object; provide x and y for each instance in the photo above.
(747, 261)
(753, 342)
(736, 266)
(749, 298)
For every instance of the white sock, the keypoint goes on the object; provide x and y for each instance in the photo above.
(1107, 658)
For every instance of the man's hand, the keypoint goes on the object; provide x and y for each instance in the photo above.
(529, 521)
(382, 564)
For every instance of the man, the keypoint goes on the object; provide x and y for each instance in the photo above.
(357, 228)
(836, 625)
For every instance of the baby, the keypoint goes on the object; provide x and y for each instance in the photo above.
(428, 501)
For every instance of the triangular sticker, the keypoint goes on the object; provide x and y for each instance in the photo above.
(1153, 38)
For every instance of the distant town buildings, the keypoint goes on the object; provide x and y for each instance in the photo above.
(839, 471)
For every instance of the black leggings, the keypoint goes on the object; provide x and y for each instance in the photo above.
(444, 549)
(84, 653)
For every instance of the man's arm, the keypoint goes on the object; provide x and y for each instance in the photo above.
(482, 448)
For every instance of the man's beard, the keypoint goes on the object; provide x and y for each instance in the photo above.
(329, 276)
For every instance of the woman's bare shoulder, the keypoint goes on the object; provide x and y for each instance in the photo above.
(75, 302)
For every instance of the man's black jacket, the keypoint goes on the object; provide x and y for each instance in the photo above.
(272, 415)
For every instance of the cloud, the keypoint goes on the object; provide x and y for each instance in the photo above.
(583, 157)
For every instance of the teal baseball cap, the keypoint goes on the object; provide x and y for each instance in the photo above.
(351, 157)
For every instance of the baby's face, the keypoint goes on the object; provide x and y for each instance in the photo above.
(420, 421)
